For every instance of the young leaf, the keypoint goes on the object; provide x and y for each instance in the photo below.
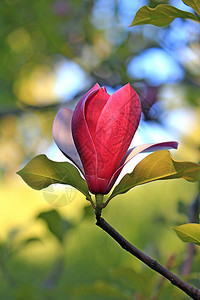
(159, 165)
(189, 233)
(195, 4)
(40, 172)
(161, 15)
(55, 223)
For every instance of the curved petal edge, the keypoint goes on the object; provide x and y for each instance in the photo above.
(62, 135)
(141, 149)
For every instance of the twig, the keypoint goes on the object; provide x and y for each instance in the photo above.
(175, 280)
(6, 275)
(162, 280)
(187, 264)
(54, 275)
(193, 218)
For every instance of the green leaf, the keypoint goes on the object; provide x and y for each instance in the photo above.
(161, 15)
(195, 4)
(40, 172)
(189, 233)
(159, 165)
(55, 223)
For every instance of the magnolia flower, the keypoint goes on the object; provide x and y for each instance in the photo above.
(97, 135)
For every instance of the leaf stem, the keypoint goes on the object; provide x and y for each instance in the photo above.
(91, 201)
(153, 264)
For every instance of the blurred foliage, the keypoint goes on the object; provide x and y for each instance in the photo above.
(59, 254)
(56, 225)
(87, 264)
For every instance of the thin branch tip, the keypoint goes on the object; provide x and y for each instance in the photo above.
(153, 264)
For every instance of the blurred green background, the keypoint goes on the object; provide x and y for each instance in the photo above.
(51, 53)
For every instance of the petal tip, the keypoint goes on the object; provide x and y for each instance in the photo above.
(176, 145)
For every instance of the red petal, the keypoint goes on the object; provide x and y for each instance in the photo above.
(115, 129)
(62, 135)
(81, 135)
(93, 109)
(97, 185)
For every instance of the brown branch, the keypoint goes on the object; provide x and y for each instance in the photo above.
(153, 264)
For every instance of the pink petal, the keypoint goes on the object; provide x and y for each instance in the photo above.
(149, 148)
(141, 149)
(115, 129)
(62, 135)
(81, 134)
